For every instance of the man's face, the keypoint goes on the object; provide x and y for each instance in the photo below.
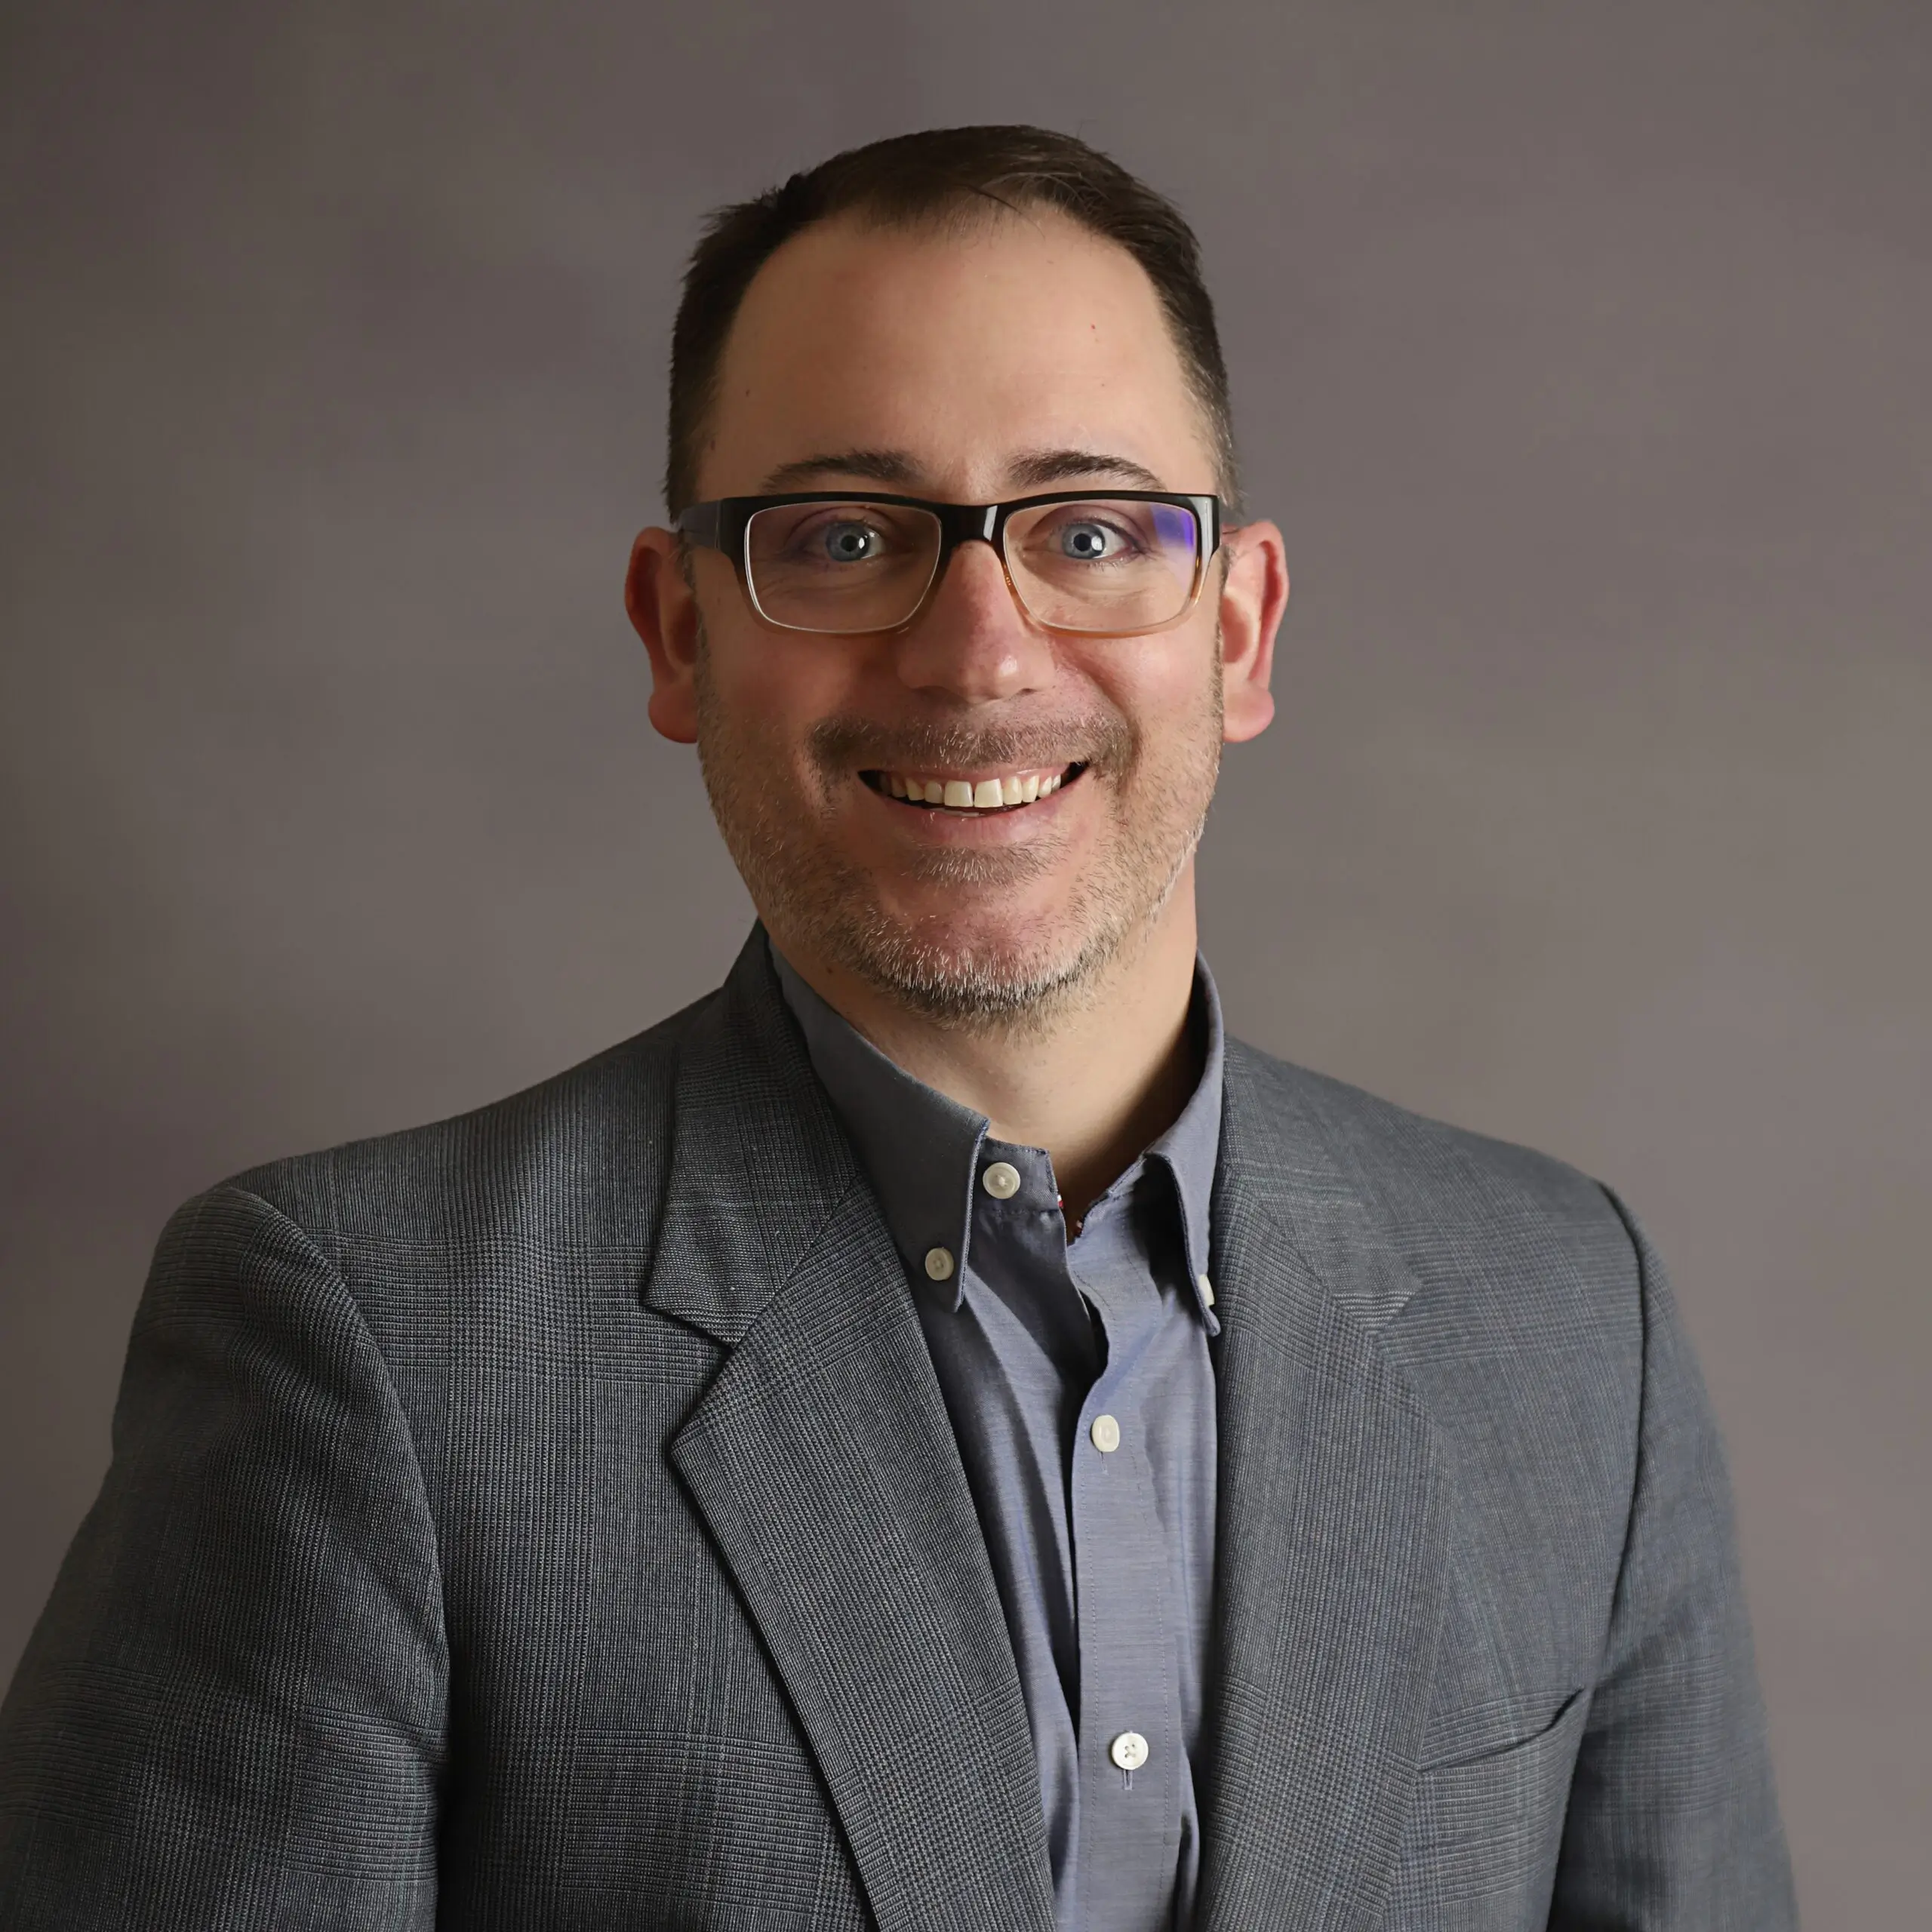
(1020, 354)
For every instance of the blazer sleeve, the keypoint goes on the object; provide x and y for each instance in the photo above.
(1673, 1822)
(230, 1715)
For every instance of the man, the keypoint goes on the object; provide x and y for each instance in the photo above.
(934, 1435)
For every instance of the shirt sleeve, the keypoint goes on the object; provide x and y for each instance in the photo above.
(231, 1712)
(1673, 1822)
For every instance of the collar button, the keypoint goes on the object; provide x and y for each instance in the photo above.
(1001, 1180)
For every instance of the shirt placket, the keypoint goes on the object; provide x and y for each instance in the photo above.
(1129, 1727)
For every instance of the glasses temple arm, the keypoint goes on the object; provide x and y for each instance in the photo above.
(698, 523)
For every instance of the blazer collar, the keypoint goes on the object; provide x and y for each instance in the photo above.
(823, 1462)
(759, 1163)
(1329, 1564)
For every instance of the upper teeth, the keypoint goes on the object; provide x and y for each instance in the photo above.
(967, 795)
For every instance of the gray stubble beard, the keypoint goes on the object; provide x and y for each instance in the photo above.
(833, 908)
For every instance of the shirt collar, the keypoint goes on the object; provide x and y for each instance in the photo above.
(921, 1150)
(1191, 1146)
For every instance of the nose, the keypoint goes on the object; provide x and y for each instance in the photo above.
(973, 642)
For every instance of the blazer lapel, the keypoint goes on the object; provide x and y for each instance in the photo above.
(1330, 1561)
(823, 1461)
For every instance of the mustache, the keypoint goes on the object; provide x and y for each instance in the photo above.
(1096, 739)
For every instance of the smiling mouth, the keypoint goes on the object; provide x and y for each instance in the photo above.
(1010, 791)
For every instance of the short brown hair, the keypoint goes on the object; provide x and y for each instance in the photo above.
(920, 177)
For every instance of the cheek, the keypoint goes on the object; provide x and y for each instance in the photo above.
(1167, 687)
(768, 691)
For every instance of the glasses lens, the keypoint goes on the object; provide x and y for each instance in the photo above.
(1105, 564)
(841, 567)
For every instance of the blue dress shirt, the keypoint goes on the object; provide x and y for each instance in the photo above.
(1077, 1378)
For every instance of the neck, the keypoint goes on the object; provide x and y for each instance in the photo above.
(1092, 1085)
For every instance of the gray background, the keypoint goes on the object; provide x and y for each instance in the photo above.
(1582, 353)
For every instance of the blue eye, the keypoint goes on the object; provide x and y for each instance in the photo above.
(850, 542)
(1086, 543)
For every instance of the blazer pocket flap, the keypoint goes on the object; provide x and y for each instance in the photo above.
(1498, 1730)
(1494, 1734)
(1488, 1826)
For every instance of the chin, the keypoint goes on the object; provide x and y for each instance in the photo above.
(990, 927)
(962, 970)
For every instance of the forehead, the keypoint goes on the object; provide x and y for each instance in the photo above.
(964, 346)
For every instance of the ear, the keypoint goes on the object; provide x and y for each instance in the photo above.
(1254, 594)
(664, 613)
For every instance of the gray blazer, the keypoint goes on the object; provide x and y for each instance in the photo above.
(550, 1519)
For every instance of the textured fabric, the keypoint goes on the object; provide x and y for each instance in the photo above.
(1104, 1559)
(551, 1519)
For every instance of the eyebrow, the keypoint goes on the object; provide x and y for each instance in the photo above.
(893, 467)
(1040, 469)
(1047, 467)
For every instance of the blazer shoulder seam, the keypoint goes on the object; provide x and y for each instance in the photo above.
(399, 1414)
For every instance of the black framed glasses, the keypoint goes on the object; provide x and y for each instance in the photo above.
(1116, 563)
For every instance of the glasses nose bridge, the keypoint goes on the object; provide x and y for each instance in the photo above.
(972, 523)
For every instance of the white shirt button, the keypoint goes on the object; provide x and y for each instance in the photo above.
(1129, 1750)
(1105, 1433)
(1207, 1288)
(1001, 1180)
(939, 1263)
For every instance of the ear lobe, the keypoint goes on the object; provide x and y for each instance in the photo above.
(1254, 594)
(1247, 711)
(664, 615)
